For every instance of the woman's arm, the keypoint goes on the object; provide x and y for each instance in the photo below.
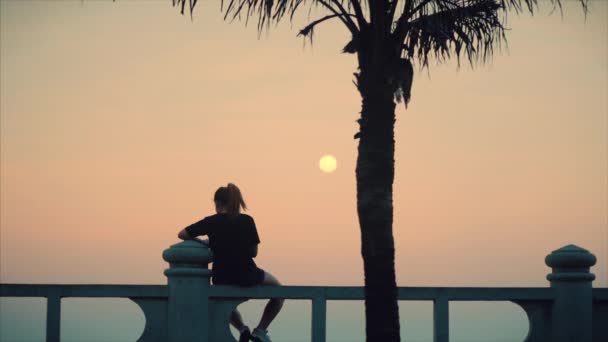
(254, 251)
(254, 238)
(199, 228)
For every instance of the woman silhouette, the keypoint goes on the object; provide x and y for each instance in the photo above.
(234, 240)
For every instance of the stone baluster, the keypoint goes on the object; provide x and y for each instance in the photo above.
(188, 278)
(573, 306)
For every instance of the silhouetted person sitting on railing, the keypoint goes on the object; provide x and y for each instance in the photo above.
(234, 240)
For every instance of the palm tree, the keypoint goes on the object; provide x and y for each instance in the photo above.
(388, 36)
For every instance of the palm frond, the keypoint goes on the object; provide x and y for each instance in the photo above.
(473, 28)
(273, 11)
(421, 7)
(470, 28)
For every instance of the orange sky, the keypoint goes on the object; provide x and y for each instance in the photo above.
(119, 121)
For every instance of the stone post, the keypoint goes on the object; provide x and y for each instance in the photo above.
(573, 306)
(188, 278)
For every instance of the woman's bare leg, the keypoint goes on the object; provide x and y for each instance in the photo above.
(274, 305)
(236, 319)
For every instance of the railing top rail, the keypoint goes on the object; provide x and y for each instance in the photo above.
(405, 293)
(287, 292)
(82, 290)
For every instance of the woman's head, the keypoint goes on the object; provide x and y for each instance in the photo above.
(229, 199)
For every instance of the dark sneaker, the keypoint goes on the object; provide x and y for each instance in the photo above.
(245, 335)
(260, 335)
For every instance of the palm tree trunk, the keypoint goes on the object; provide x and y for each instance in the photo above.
(375, 174)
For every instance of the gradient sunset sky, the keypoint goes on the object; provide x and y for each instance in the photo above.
(119, 120)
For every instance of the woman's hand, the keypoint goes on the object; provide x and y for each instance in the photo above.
(201, 241)
(183, 234)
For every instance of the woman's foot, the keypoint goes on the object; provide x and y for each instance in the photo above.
(260, 335)
(245, 334)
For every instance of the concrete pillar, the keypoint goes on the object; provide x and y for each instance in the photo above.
(188, 277)
(572, 312)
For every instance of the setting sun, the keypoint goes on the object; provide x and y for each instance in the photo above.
(328, 163)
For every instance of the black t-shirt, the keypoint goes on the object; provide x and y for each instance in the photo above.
(231, 239)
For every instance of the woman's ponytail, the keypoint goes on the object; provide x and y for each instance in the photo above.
(231, 198)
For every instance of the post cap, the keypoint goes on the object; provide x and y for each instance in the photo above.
(188, 252)
(570, 263)
(570, 256)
